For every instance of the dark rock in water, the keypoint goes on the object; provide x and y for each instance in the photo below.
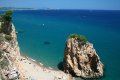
(60, 66)
(46, 43)
(82, 60)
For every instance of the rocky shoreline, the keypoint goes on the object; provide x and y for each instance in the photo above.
(24, 68)
(80, 58)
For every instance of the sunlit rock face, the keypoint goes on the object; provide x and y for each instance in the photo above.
(82, 59)
(9, 53)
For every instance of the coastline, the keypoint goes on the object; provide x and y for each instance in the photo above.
(26, 68)
(98, 40)
(31, 69)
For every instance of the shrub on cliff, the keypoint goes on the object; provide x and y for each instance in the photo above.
(80, 38)
(4, 63)
(7, 16)
(2, 38)
(8, 37)
(3, 60)
(6, 20)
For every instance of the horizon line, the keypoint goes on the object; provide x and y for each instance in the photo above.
(29, 8)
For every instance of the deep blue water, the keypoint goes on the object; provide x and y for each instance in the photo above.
(44, 33)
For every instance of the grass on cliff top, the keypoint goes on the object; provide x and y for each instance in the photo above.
(6, 19)
(80, 38)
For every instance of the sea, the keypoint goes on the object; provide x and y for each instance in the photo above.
(42, 35)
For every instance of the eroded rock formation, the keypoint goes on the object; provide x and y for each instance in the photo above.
(9, 51)
(81, 59)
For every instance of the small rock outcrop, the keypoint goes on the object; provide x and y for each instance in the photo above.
(81, 59)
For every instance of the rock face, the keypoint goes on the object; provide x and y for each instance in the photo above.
(9, 51)
(82, 59)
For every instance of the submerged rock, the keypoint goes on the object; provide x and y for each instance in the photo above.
(46, 43)
(81, 59)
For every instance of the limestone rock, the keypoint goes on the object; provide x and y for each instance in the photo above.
(9, 51)
(82, 59)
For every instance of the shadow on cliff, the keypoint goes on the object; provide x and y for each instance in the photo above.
(60, 65)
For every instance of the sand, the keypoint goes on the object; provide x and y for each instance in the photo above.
(29, 69)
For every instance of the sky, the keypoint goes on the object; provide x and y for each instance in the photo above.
(63, 4)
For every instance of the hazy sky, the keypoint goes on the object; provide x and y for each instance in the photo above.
(63, 4)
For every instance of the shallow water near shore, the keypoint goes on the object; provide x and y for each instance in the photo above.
(42, 35)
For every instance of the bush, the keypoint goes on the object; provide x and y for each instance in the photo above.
(6, 20)
(1, 53)
(1, 38)
(80, 38)
(4, 63)
(8, 37)
(7, 16)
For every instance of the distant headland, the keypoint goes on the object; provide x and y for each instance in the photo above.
(14, 8)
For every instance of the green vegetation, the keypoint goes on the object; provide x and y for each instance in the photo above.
(6, 22)
(80, 38)
(4, 63)
(1, 53)
(7, 16)
(3, 60)
(5, 38)
(2, 38)
(8, 37)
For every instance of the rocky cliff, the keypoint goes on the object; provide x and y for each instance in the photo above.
(13, 66)
(81, 59)
(9, 51)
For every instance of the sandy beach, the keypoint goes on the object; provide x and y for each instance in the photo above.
(29, 69)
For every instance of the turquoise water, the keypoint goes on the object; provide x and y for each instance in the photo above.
(43, 35)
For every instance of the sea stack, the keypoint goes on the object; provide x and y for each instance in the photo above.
(81, 59)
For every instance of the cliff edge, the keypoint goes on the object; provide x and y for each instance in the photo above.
(9, 53)
(13, 66)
